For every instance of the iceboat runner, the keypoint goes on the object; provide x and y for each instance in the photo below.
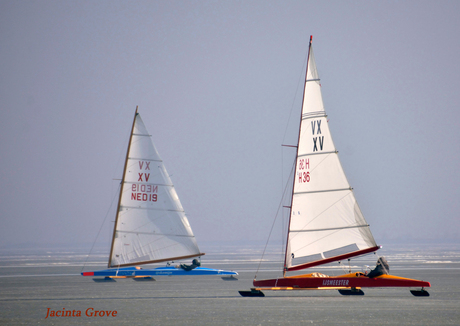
(150, 224)
(325, 222)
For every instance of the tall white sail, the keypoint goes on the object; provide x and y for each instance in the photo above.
(326, 223)
(151, 225)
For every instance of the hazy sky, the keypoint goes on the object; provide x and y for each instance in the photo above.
(217, 84)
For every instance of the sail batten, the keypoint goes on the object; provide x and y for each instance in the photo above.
(145, 159)
(154, 209)
(322, 153)
(157, 234)
(149, 184)
(325, 223)
(314, 114)
(145, 135)
(151, 225)
(318, 191)
(329, 229)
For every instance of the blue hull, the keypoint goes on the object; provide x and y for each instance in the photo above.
(168, 271)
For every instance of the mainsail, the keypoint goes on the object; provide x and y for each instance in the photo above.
(326, 223)
(150, 225)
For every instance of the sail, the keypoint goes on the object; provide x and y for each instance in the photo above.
(326, 223)
(151, 225)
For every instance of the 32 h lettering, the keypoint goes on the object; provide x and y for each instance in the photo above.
(302, 175)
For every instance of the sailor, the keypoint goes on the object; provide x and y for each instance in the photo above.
(382, 268)
(195, 264)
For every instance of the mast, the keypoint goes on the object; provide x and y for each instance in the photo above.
(296, 156)
(121, 188)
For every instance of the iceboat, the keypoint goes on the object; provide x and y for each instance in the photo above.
(325, 222)
(150, 224)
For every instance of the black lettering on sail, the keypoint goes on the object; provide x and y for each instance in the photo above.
(313, 127)
(320, 141)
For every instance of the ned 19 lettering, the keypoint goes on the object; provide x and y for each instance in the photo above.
(144, 188)
(143, 197)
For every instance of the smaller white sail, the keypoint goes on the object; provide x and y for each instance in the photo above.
(326, 223)
(151, 225)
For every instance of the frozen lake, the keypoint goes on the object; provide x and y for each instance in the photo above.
(34, 282)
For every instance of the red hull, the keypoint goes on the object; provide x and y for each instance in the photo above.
(353, 280)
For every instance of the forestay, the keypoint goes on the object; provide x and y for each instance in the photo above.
(151, 225)
(326, 223)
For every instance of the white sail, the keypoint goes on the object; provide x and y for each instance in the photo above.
(326, 223)
(151, 225)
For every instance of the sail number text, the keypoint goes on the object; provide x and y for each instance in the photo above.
(144, 192)
(319, 140)
(303, 165)
(303, 176)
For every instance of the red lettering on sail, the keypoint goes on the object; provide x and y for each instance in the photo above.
(304, 164)
(144, 192)
(141, 165)
(144, 188)
(144, 197)
(304, 176)
(147, 176)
